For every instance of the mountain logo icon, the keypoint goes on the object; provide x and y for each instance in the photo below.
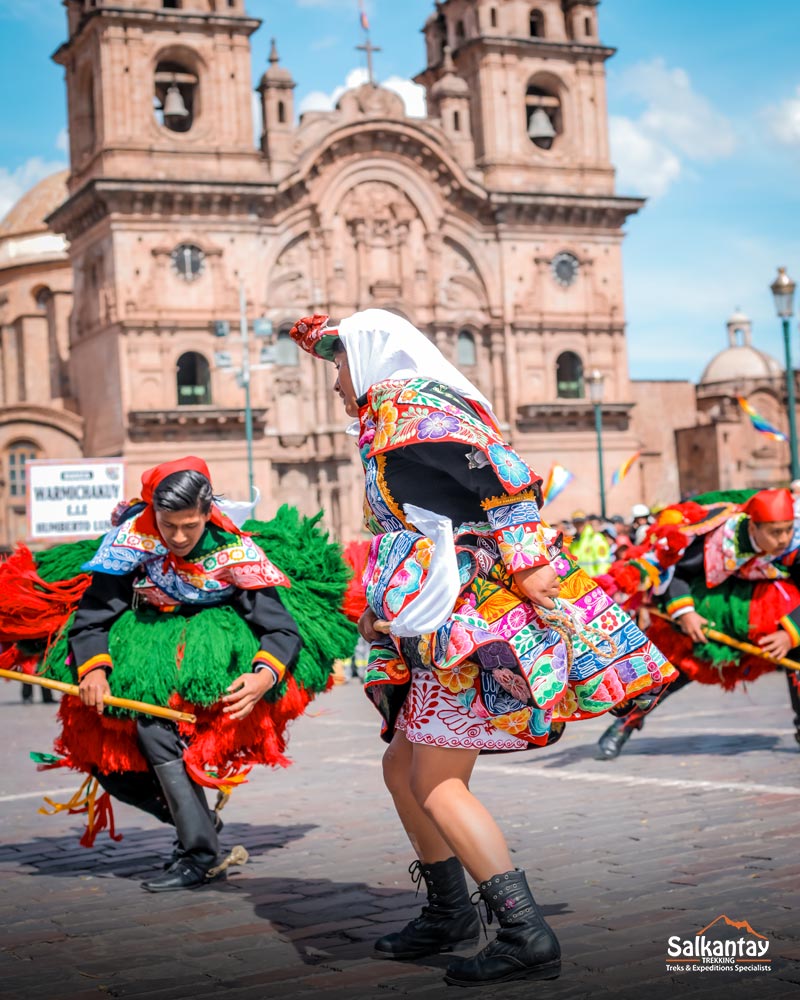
(739, 925)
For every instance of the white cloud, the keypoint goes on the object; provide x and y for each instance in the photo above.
(676, 125)
(644, 165)
(62, 140)
(14, 183)
(783, 120)
(413, 94)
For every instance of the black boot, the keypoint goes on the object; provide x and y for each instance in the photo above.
(177, 847)
(614, 739)
(447, 921)
(525, 946)
(199, 844)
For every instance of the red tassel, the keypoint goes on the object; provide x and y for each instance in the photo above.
(102, 819)
(32, 608)
(101, 741)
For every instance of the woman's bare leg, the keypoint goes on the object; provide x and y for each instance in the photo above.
(439, 783)
(428, 843)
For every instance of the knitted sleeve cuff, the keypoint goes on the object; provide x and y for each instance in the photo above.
(791, 628)
(101, 660)
(680, 606)
(264, 660)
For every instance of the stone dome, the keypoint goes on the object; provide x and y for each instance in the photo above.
(741, 362)
(28, 214)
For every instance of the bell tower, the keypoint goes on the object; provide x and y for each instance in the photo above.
(158, 88)
(535, 71)
(165, 194)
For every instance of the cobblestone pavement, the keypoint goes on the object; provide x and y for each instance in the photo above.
(698, 818)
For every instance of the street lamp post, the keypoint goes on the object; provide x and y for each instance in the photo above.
(783, 293)
(243, 372)
(596, 380)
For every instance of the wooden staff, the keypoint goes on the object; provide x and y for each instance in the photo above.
(72, 689)
(726, 640)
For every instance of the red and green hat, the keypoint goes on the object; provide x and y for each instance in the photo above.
(315, 335)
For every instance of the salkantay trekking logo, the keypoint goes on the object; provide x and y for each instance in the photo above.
(720, 948)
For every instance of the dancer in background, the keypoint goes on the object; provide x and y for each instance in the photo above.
(723, 564)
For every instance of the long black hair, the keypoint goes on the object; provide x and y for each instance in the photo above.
(188, 490)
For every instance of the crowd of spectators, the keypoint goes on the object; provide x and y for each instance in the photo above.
(596, 543)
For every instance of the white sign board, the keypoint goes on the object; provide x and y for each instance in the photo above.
(73, 499)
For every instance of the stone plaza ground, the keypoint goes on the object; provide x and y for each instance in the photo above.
(698, 818)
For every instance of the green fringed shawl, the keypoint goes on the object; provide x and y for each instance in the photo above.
(724, 496)
(156, 654)
(727, 608)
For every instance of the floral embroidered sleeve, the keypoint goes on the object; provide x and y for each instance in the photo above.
(517, 530)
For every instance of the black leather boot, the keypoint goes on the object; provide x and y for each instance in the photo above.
(525, 946)
(177, 847)
(197, 836)
(447, 921)
(614, 739)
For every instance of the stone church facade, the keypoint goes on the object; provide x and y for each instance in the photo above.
(492, 224)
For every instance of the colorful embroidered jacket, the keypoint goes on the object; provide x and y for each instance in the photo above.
(722, 553)
(423, 444)
(131, 569)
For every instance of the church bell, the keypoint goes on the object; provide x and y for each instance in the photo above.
(540, 126)
(173, 103)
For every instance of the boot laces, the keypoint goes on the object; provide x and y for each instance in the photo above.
(415, 871)
(476, 899)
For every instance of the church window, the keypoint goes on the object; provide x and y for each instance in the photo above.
(543, 116)
(42, 298)
(459, 31)
(569, 376)
(493, 16)
(175, 98)
(188, 261)
(536, 22)
(456, 122)
(194, 380)
(587, 26)
(565, 267)
(285, 348)
(465, 350)
(17, 458)
(171, 3)
(281, 112)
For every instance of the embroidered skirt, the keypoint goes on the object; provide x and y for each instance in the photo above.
(498, 675)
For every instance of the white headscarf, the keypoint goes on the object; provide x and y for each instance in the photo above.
(381, 345)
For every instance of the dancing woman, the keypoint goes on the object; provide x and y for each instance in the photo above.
(497, 639)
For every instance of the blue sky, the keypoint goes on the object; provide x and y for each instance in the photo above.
(704, 104)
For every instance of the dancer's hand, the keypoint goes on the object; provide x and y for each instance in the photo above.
(93, 688)
(367, 626)
(777, 644)
(691, 624)
(246, 692)
(540, 584)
